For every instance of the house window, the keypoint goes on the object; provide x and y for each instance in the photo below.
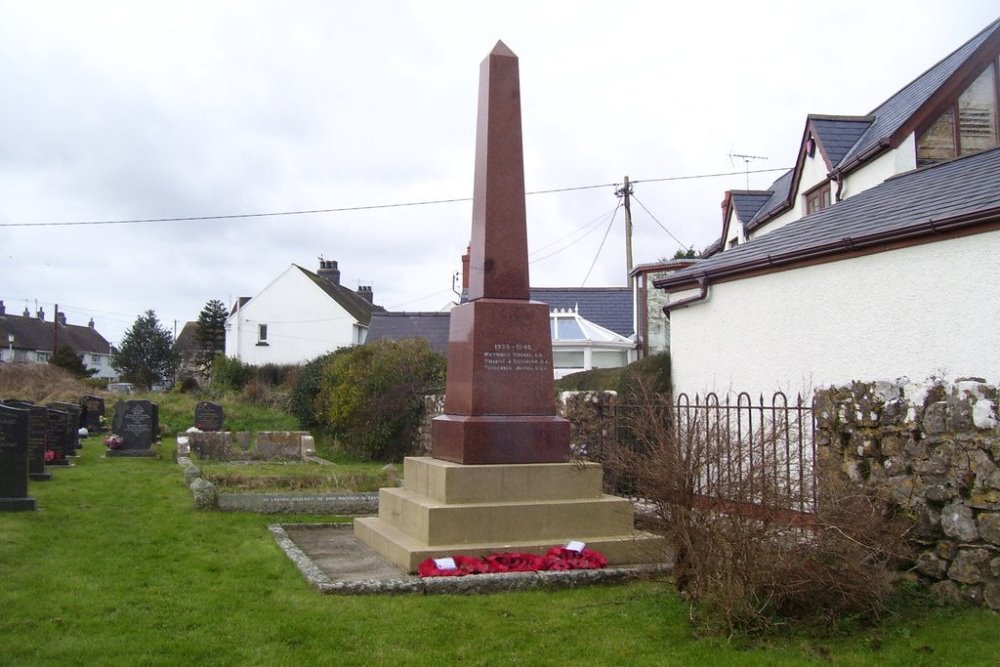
(968, 125)
(262, 334)
(818, 199)
(43, 356)
(567, 358)
(95, 359)
(733, 243)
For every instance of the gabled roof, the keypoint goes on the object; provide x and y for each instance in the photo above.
(432, 326)
(837, 134)
(31, 333)
(609, 307)
(748, 202)
(915, 206)
(360, 309)
(898, 115)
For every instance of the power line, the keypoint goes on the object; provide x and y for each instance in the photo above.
(683, 247)
(601, 247)
(369, 207)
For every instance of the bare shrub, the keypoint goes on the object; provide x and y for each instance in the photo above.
(747, 557)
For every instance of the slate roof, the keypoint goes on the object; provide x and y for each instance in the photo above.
(609, 307)
(31, 333)
(895, 111)
(780, 190)
(839, 133)
(949, 195)
(432, 326)
(748, 202)
(348, 299)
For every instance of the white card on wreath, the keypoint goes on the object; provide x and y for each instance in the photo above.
(445, 563)
(575, 546)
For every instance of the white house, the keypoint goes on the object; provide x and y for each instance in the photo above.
(27, 338)
(891, 274)
(299, 316)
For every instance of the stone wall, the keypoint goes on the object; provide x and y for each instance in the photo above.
(934, 449)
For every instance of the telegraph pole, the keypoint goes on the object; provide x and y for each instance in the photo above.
(625, 191)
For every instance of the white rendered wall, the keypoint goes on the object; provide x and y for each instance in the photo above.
(302, 321)
(890, 163)
(926, 310)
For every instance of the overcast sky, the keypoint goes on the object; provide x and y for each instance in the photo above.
(135, 110)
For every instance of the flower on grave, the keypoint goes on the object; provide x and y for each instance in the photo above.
(463, 565)
(50, 455)
(514, 562)
(561, 558)
(114, 441)
(555, 559)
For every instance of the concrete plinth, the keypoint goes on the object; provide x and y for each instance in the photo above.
(17, 505)
(446, 509)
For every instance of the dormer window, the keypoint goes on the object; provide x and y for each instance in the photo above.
(968, 125)
(818, 198)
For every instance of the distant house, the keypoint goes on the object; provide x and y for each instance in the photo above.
(299, 316)
(652, 326)
(874, 258)
(26, 338)
(432, 326)
(591, 327)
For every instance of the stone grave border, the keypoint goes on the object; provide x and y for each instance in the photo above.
(473, 584)
(207, 496)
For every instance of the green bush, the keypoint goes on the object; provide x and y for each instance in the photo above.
(302, 399)
(371, 396)
(653, 373)
(229, 373)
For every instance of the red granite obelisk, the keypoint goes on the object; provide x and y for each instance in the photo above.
(500, 396)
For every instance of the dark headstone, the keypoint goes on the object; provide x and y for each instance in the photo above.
(207, 416)
(58, 425)
(136, 420)
(75, 410)
(93, 412)
(14, 460)
(499, 396)
(155, 425)
(37, 437)
(116, 417)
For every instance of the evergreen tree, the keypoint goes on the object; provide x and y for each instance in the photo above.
(210, 334)
(66, 358)
(146, 354)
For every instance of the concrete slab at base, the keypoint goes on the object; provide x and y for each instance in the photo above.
(407, 553)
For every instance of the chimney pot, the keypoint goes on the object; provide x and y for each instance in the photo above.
(41, 314)
(3, 308)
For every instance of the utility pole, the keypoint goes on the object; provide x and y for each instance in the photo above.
(625, 191)
(55, 331)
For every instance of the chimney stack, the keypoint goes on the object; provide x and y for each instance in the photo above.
(3, 308)
(91, 323)
(41, 314)
(365, 292)
(328, 270)
(61, 318)
(26, 313)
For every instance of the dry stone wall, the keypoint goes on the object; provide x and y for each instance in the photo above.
(934, 449)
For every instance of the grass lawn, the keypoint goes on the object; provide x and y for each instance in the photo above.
(117, 568)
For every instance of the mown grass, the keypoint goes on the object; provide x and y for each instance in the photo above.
(117, 568)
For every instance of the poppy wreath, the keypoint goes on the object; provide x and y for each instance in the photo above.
(556, 558)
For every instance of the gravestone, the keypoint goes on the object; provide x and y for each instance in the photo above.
(207, 416)
(37, 438)
(58, 427)
(75, 410)
(278, 445)
(93, 412)
(499, 476)
(14, 460)
(136, 420)
(212, 445)
(116, 417)
(155, 424)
